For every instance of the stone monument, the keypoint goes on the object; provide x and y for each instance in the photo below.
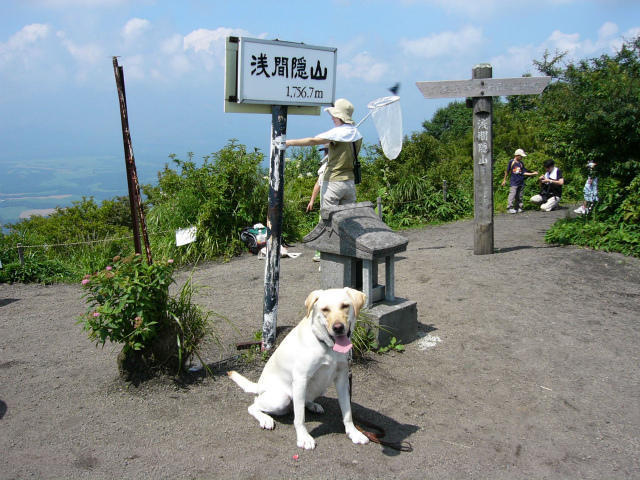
(353, 242)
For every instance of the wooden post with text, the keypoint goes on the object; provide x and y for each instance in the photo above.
(481, 88)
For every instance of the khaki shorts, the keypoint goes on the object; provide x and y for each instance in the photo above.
(337, 193)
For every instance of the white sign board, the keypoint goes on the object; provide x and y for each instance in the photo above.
(185, 236)
(284, 73)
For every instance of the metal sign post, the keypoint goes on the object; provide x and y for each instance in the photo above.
(281, 78)
(481, 88)
(274, 225)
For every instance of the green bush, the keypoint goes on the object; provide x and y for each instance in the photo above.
(129, 304)
(35, 270)
(599, 235)
(224, 194)
(127, 301)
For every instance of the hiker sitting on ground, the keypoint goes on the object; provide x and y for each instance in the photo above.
(517, 172)
(344, 140)
(550, 187)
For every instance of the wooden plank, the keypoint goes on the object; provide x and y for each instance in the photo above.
(488, 87)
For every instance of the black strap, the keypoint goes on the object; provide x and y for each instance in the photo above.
(356, 165)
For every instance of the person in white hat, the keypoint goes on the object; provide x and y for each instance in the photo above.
(344, 142)
(517, 173)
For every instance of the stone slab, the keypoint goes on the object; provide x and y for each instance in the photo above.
(398, 318)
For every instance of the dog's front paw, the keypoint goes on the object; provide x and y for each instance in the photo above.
(356, 436)
(306, 441)
(267, 423)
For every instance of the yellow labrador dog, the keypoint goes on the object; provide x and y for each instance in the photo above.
(311, 357)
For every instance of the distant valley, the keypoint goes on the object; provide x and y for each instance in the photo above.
(37, 187)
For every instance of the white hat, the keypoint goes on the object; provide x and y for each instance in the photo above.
(342, 109)
(520, 152)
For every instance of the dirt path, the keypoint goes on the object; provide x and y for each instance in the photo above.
(535, 375)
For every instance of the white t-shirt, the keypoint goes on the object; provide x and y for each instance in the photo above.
(344, 133)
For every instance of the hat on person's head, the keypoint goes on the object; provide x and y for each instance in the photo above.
(342, 109)
(520, 152)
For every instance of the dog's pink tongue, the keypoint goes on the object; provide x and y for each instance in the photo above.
(342, 344)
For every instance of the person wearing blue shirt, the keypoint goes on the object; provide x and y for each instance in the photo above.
(517, 173)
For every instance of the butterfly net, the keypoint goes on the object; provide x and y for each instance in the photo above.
(387, 118)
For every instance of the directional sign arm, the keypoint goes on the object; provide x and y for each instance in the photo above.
(487, 87)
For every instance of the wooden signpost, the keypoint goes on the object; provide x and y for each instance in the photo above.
(277, 78)
(481, 88)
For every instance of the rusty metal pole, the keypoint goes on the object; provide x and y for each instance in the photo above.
(135, 200)
(274, 225)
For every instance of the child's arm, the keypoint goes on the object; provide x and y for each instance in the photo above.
(504, 180)
(314, 194)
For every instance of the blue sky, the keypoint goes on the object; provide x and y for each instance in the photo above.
(58, 96)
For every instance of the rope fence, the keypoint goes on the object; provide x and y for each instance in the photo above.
(21, 247)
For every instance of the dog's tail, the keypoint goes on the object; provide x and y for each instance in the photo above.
(244, 383)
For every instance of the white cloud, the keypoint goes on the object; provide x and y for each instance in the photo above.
(566, 42)
(519, 59)
(24, 45)
(134, 28)
(486, 7)
(516, 61)
(608, 29)
(134, 67)
(88, 53)
(28, 35)
(202, 39)
(444, 43)
(365, 67)
(77, 3)
(209, 44)
(172, 45)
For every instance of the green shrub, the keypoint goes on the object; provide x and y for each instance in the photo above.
(224, 194)
(129, 304)
(35, 270)
(599, 235)
(127, 301)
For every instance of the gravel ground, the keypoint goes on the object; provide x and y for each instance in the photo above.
(527, 366)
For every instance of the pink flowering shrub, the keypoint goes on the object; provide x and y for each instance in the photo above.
(127, 301)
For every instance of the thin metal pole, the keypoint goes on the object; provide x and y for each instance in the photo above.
(274, 225)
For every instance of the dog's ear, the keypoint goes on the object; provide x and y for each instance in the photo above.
(358, 299)
(311, 300)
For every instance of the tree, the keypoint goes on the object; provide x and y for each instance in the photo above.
(593, 114)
